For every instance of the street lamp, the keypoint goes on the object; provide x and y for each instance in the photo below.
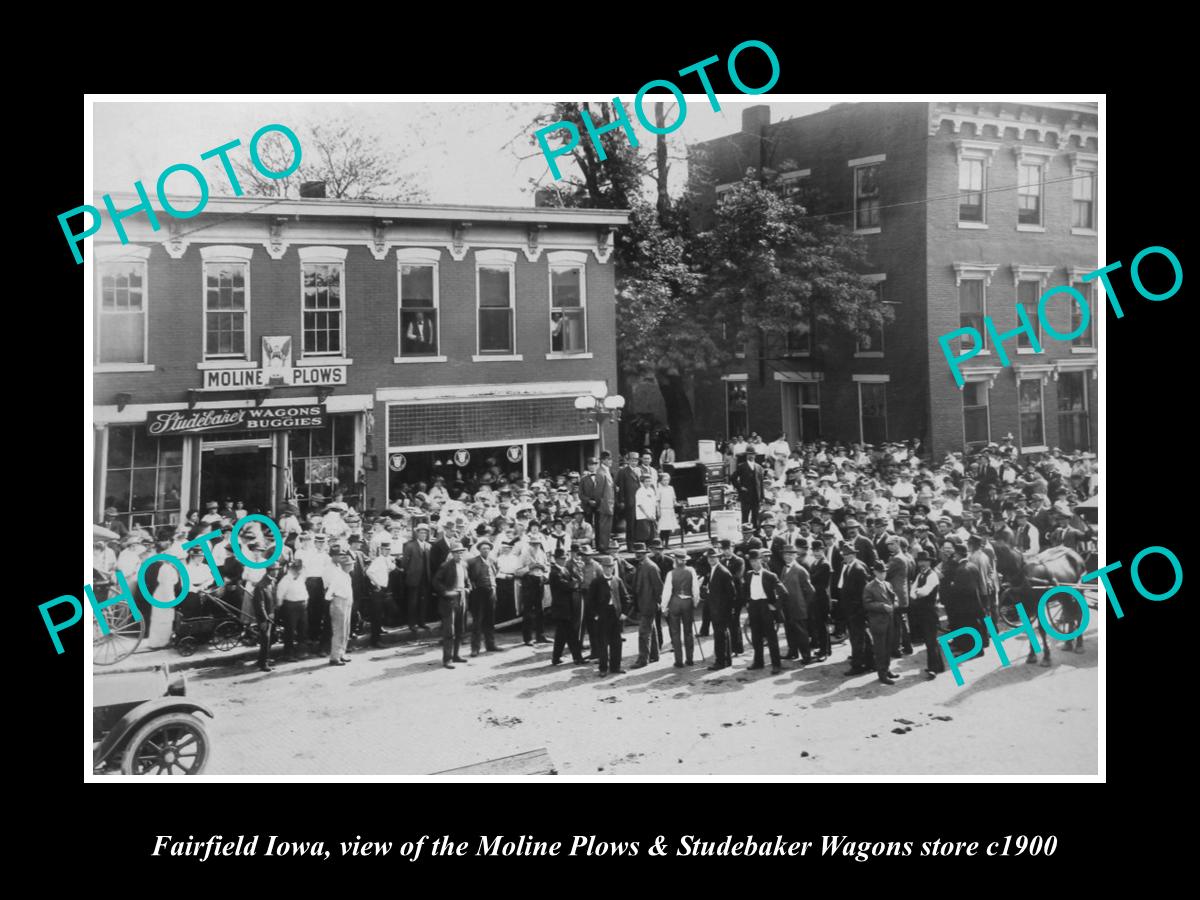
(602, 408)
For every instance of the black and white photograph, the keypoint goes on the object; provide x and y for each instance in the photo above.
(682, 436)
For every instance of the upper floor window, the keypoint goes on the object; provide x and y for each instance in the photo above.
(496, 273)
(723, 191)
(1083, 193)
(866, 197)
(568, 302)
(323, 271)
(1032, 165)
(870, 343)
(121, 318)
(418, 312)
(799, 338)
(1028, 293)
(791, 183)
(971, 188)
(226, 302)
(972, 307)
(1086, 340)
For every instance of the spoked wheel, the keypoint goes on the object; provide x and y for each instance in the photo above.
(227, 635)
(186, 645)
(124, 634)
(175, 744)
(1007, 607)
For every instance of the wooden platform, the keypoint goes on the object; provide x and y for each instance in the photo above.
(533, 762)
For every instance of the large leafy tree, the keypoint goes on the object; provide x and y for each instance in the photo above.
(687, 300)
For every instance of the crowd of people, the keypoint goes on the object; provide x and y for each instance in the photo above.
(839, 543)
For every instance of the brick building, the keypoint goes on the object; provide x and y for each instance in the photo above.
(966, 210)
(311, 346)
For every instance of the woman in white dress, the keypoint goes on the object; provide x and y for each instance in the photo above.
(667, 521)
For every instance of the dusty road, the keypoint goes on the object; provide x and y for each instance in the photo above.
(395, 711)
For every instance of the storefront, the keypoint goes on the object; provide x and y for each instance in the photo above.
(155, 464)
(513, 431)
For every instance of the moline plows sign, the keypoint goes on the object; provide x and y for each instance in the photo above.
(234, 418)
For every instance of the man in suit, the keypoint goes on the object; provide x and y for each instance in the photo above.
(749, 478)
(647, 594)
(481, 571)
(737, 568)
(774, 543)
(265, 605)
(628, 479)
(722, 596)
(852, 581)
(681, 588)
(362, 587)
(864, 548)
(665, 565)
(439, 550)
(607, 598)
(416, 561)
(451, 584)
(961, 590)
(899, 571)
(761, 588)
(565, 584)
(598, 492)
(923, 614)
(879, 602)
(880, 539)
(795, 581)
(820, 574)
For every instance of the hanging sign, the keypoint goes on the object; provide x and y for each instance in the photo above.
(397, 462)
(462, 457)
(515, 452)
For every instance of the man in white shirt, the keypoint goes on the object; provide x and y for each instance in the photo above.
(291, 593)
(923, 614)
(340, 591)
(646, 515)
(950, 503)
(379, 575)
(313, 555)
(681, 589)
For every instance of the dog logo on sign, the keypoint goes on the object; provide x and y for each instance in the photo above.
(462, 457)
(514, 453)
(397, 462)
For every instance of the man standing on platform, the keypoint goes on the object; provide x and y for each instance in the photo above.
(598, 492)
(628, 481)
(451, 584)
(749, 478)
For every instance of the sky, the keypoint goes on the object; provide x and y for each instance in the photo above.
(460, 152)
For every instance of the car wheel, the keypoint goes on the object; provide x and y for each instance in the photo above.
(174, 744)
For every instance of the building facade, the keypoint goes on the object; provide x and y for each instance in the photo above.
(273, 349)
(967, 210)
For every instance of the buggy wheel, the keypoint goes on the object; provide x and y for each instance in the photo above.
(174, 744)
(1007, 608)
(226, 635)
(125, 633)
(186, 645)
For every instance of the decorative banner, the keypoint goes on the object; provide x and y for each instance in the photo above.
(727, 525)
(462, 457)
(397, 462)
(515, 452)
(234, 418)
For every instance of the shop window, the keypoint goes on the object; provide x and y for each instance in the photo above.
(809, 406)
(143, 476)
(322, 460)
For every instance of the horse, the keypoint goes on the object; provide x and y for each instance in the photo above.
(1030, 577)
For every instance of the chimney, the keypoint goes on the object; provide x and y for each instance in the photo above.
(311, 189)
(756, 118)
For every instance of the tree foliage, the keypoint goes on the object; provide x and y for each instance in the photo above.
(355, 165)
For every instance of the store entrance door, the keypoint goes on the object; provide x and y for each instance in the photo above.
(236, 471)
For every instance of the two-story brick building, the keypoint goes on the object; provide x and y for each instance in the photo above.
(271, 348)
(966, 211)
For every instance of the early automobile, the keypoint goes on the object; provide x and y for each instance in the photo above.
(143, 724)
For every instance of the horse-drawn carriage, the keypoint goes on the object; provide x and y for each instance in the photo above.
(1025, 579)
